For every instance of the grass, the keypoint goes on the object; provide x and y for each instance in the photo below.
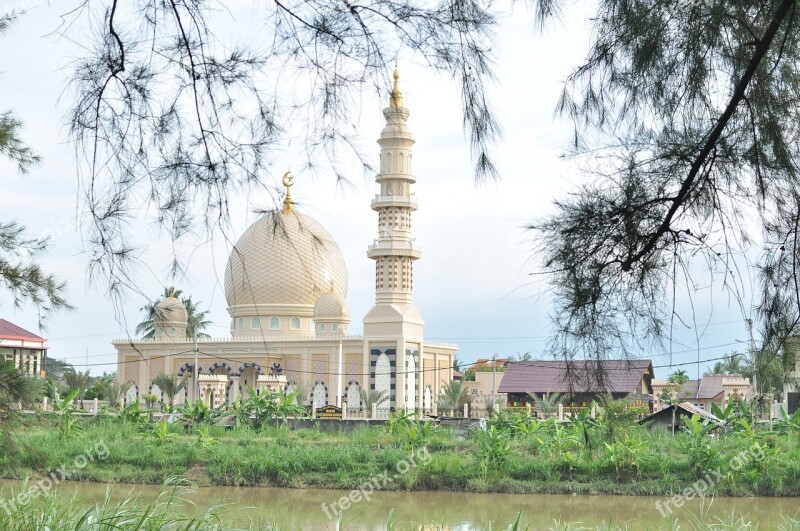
(549, 461)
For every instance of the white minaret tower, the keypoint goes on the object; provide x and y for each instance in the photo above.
(394, 326)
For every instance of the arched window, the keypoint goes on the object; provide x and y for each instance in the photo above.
(274, 323)
(322, 327)
(241, 323)
(255, 323)
(294, 323)
(334, 327)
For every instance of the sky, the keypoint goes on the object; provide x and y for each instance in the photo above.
(477, 283)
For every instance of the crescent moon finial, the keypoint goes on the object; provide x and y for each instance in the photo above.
(288, 182)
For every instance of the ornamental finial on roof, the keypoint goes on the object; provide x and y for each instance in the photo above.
(288, 182)
(396, 99)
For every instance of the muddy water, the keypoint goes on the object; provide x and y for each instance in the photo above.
(310, 509)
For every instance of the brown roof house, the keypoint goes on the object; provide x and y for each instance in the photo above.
(711, 388)
(577, 383)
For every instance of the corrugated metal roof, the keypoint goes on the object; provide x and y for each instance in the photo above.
(687, 408)
(544, 376)
(11, 331)
(711, 385)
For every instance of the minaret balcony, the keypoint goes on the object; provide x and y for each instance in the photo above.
(393, 248)
(401, 201)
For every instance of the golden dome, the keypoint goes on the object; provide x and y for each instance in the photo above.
(170, 311)
(283, 259)
(331, 306)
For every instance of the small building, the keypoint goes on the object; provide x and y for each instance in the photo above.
(675, 415)
(479, 391)
(577, 383)
(486, 364)
(710, 389)
(25, 349)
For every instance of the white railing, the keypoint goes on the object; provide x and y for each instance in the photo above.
(396, 200)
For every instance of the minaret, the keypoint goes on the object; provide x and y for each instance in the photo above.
(394, 324)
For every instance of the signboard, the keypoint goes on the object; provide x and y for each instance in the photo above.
(329, 412)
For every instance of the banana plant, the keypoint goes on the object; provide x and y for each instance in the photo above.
(625, 454)
(66, 411)
(702, 456)
(493, 448)
(161, 432)
(786, 424)
(204, 438)
(727, 415)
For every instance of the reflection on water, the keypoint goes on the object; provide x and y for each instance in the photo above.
(458, 511)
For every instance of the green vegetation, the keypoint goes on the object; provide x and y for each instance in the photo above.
(517, 454)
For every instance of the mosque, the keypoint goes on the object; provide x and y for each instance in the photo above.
(286, 289)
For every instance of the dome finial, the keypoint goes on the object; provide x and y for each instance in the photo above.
(288, 182)
(396, 99)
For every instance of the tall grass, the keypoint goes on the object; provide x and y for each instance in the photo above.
(529, 457)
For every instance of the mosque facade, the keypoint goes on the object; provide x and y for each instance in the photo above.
(286, 288)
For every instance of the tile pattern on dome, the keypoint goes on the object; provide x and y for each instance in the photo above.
(284, 259)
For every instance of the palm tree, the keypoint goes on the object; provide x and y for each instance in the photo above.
(458, 365)
(196, 320)
(169, 385)
(114, 391)
(547, 404)
(453, 396)
(77, 380)
(678, 377)
(370, 397)
(730, 364)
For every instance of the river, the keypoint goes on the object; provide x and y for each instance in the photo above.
(309, 509)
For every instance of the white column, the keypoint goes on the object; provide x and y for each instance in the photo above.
(339, 379)
(400, 374)
(421, 379)
(234, 388)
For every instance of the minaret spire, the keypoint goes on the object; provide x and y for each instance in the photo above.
(394, 251)
(396, 98)
(393, 327)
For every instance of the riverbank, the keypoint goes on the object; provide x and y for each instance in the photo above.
(553, 461)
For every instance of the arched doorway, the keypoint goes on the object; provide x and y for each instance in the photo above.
(319, 395)
(426, 398)
(411, 383)
(353, 395)
(383, 379)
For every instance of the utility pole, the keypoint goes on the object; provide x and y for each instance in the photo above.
(753, 357)
(195, 370)
(494, 369)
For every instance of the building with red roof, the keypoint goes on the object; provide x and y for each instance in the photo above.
(25, 349)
